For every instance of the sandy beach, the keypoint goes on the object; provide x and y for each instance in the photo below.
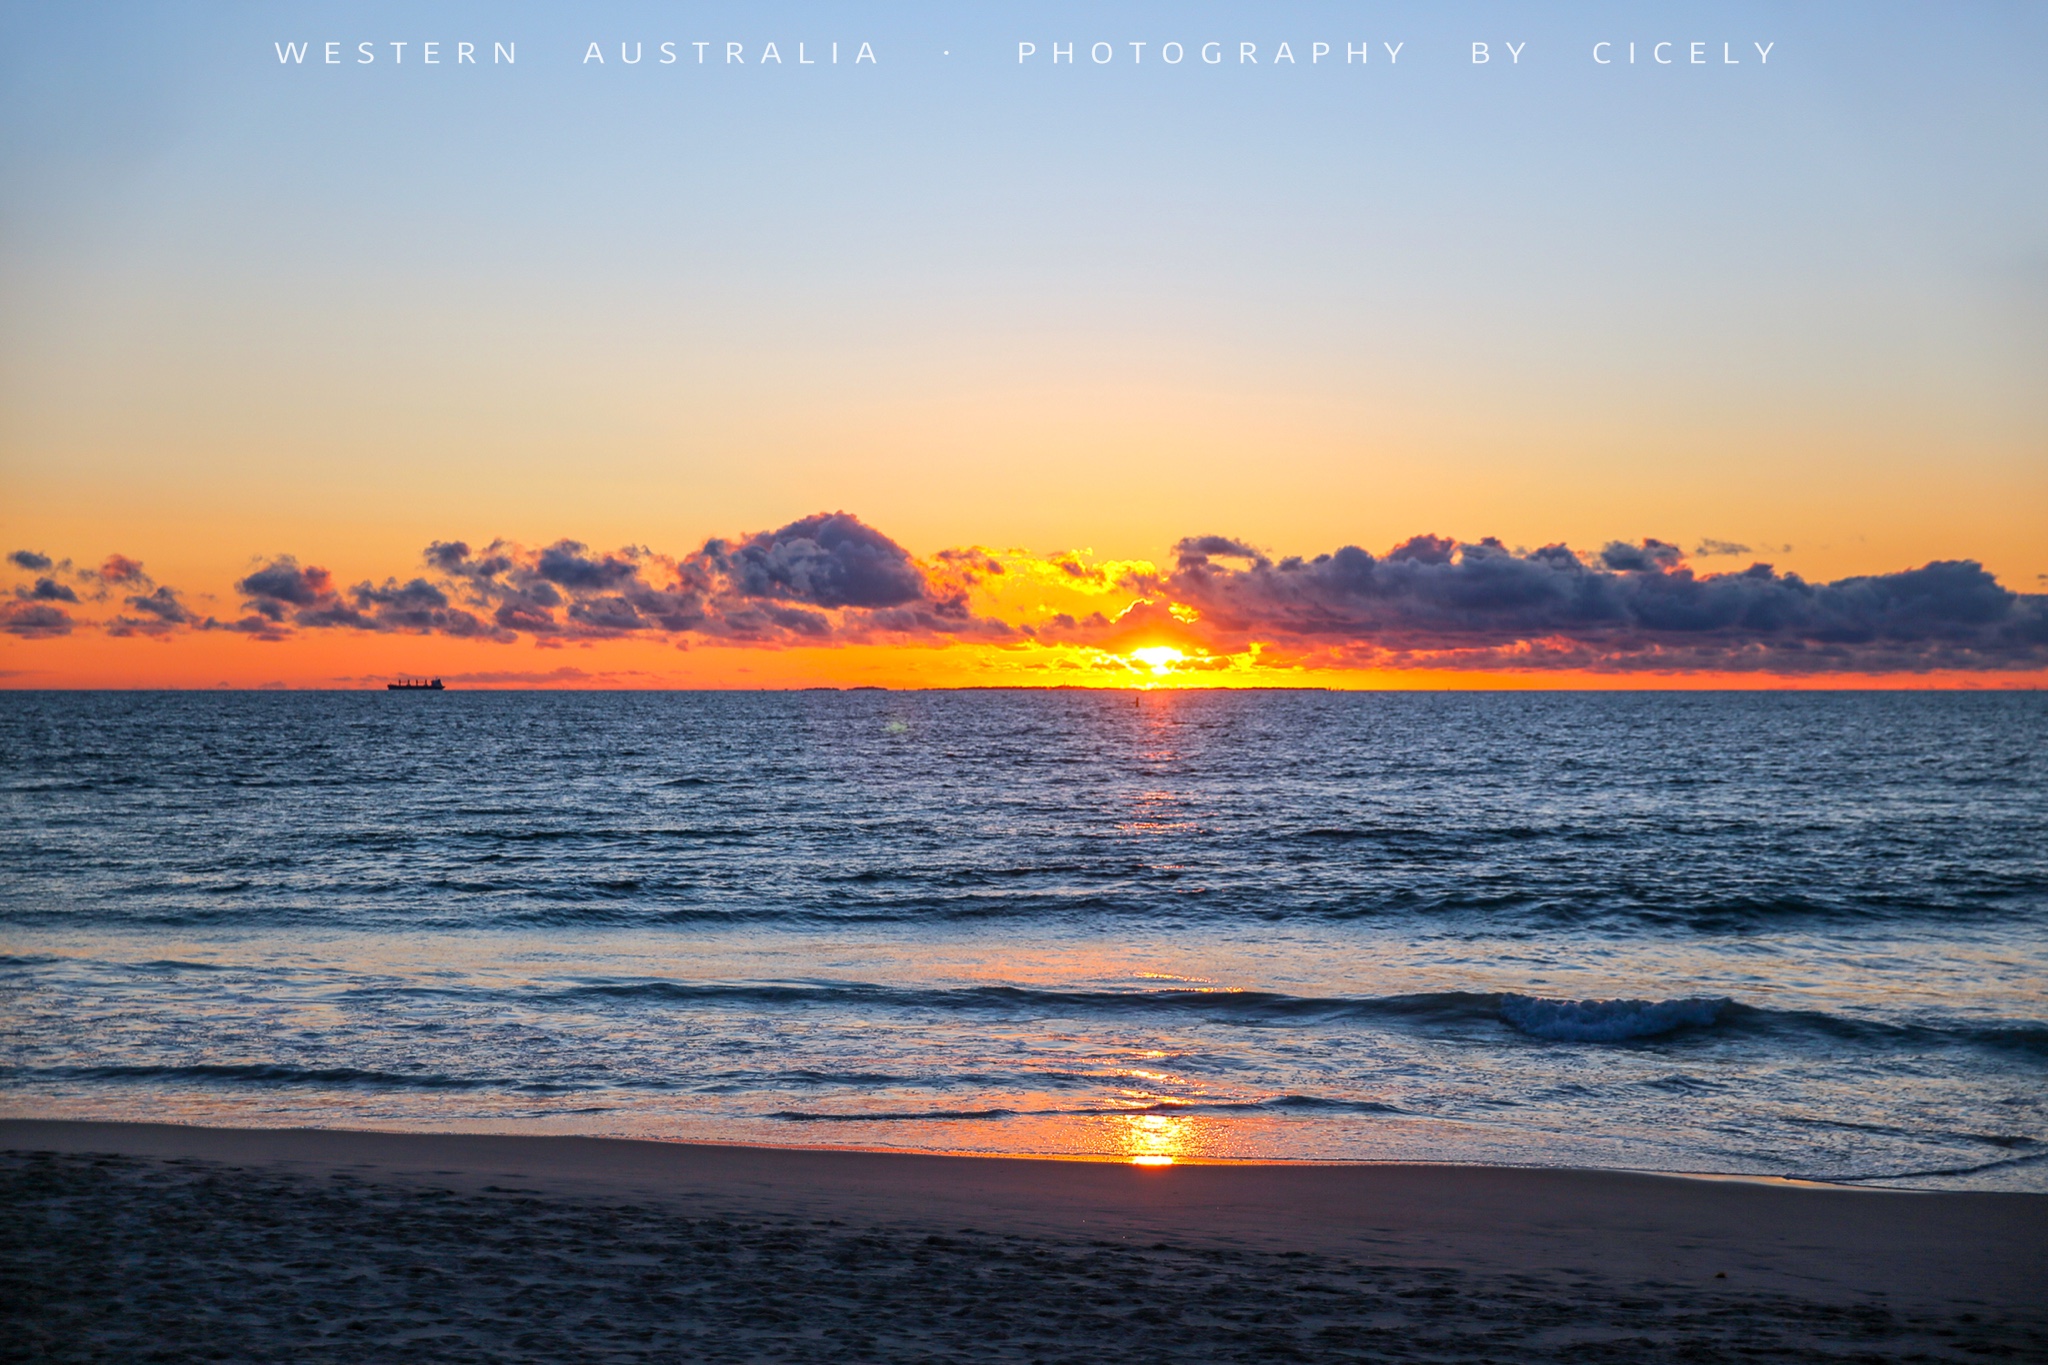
(141, 1241)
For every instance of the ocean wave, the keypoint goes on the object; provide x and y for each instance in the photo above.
(1967, 1169)
(1672, 1021)
(1609, 1021)
(271, 1074)
(902, 1116)
(1239, 1006)
(1580, 1020)
(1281, 1103)
(509, 886)
(1562, 1020)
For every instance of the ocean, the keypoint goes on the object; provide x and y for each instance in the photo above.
(1791, 934)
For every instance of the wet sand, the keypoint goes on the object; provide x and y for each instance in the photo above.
(139, 1241)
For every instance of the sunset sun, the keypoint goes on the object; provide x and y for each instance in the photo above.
(1159, 658)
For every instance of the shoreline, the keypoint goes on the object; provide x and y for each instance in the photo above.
(1981, 1249)
(1103, 1158)
(153, 1241)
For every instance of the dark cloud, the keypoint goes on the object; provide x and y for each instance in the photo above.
(417, 600)
(116, 572)
(972, 561)
(521, 615)
(567, 564)
(282, 583)
(1424, 549)
(284, 594)
(1429, 601)
(416, 606)
(163, 604)
(612, 615)
(254, 625)
(509, 586)
(1709, 548)
(1651, 556)
(162, 614)
(121, 571)
(334, 613)
(29, 559)
(1639, 606)
(1074, 568)
(34, 620)
(453, 557)
(825, 578)
(1215, 547)
(828, 560)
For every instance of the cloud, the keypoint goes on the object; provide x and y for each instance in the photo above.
(829, 579)
(552, 675)
(567, 564)
(1216, 547)
(417, 606)
(526, 676)
(1449, 604)
(453, 557)
(254, 625)
(281, 585)
(827, 560)
(1710, 547)
(1079, 570)
(971, 563)
(162, 613)
(1650, 556)
(602, 677)
(34, 620)
(163, 605)
(47, 590)
(120, 571)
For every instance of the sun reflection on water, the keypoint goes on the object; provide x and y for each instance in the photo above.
(1156, 1139)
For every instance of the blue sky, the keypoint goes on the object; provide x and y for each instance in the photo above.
(1802, 303)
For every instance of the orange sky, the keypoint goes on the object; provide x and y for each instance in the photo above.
(352, 662)
(1092, 622)
(263, 313)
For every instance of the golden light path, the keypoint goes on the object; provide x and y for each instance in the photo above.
(1155, 1139)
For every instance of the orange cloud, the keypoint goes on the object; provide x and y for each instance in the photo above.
(1221, 612)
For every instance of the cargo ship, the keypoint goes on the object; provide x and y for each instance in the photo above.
(415, 685)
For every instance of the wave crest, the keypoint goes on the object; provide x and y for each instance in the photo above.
(1609, 1021)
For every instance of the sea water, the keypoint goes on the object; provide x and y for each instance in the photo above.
(1790, 934)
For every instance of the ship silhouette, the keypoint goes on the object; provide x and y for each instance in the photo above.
(415, 685)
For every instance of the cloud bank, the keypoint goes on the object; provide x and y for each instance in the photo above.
(1441, 602)
(831, 579)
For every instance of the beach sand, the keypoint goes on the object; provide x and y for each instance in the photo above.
(160, 1242)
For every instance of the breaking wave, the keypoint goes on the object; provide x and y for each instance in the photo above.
(339, 1077)
(1281, 1103)
(1609, 1021)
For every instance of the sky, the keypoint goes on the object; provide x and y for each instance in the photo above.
(971, 365)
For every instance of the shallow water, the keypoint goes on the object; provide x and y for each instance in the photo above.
(1788, 934)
